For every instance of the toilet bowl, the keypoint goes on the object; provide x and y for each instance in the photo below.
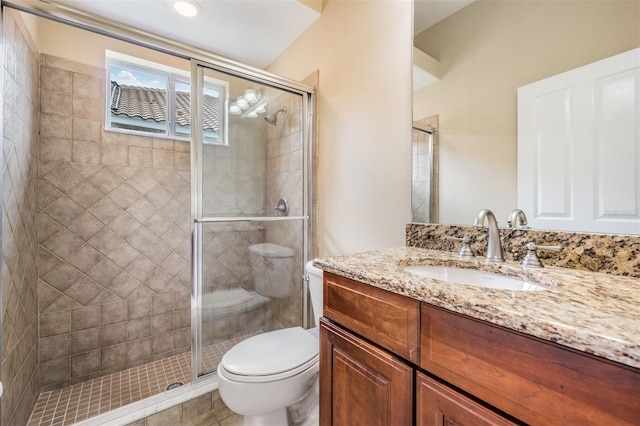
(264, 376)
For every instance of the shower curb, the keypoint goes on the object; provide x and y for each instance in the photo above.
(154, 404)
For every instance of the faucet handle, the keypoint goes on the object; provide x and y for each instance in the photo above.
(531, 259)
(465, 252)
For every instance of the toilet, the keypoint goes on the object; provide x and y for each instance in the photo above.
(271, 378)
(272, 268)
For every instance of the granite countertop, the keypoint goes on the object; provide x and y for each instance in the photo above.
(591, 312)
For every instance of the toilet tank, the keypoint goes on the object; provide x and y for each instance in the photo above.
(315, 290)
(272, 267)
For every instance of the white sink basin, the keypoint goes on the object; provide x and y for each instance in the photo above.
(472, 277)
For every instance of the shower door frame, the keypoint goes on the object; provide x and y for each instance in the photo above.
(307, 94)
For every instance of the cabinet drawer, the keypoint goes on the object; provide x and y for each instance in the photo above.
(385, 318)
(439, 405)
(533, 380)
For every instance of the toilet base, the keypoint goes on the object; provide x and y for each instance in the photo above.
(274, 418)
(307, 411)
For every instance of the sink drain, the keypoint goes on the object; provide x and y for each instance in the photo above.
(174, 385)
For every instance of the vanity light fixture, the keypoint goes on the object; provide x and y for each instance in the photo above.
(249, 104)
(188, 8)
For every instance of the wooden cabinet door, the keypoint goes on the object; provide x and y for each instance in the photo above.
(361, 384)
(439, 405)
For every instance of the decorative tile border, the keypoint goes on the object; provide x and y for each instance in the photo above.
(610, 254)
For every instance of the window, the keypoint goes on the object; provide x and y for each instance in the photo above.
(150, 98)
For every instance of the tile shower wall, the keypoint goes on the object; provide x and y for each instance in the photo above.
(285, 180)
(114, 236)
(19, 212)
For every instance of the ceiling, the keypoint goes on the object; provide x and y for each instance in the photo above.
(253, 32)
(429, 12)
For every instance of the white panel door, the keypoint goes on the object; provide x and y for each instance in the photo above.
(579, 148)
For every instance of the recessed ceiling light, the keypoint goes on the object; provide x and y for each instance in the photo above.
(187, 8)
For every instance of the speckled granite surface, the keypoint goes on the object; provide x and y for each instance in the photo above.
(591, 312)
(611, 254)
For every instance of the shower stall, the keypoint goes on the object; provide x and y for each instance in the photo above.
(133, 261)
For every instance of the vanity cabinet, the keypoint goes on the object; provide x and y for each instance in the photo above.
(387, 359)
(369, 386)
(439, 405)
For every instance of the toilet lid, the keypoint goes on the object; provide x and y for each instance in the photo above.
(271, 353)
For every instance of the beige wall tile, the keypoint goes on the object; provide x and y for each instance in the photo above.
(89, 86)
(88, 108)
(85, 340)
(114, 357)
(85, 318)
(162, 343)
(72, 66)
(182, 161)
(163, 159)
(56, 79)
(113, 334)
(182, 146)
(140, 157)
(55, 371)
(140, 141)
(87, 130)
(54, 149)
(85, 152)
(138, 352)
(115, 138)
(138, 328)
(114, 155)
(55, 103)
(55, 126)
(53, 347)
(162, 323)
(52, 323)
(85, 363)
(164, 144)
(112, 313)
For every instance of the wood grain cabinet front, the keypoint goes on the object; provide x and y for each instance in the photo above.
(532, 380)
(468, 372)
(360, 383)
(388, 319)
(439, 405)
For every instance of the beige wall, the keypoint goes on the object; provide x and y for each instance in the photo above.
(363, 53)
(487, 50)
(55, 39)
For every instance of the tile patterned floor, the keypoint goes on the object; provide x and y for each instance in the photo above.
(87, 399)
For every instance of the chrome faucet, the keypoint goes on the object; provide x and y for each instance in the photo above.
(494, 248)
(517, 216)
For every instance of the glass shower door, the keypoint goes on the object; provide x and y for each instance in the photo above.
(250, 210)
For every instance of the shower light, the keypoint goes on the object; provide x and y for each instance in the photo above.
(261, 108)
(242, 103)
(234, 109)
(251, 96)
(187, 8)
(252, 114)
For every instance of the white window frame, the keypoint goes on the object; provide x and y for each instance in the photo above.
(172, 75)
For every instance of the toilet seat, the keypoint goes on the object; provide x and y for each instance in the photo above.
(271, 356)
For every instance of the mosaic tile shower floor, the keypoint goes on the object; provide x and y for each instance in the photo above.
(81, 401)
